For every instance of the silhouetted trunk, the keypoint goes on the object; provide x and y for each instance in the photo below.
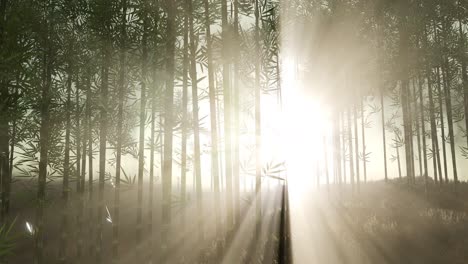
(236, 113)
(416, 123)
(77, 137)
(379, 35)
(442, 124)
(103, 124)
(350, 146)
(343, 143)
(81, 202)
(356, 142)
(423, 128)
(171, 31)
(44, 134)
(363, 138)
(118, 158)
(183, 122)
(398, 162)
(278, 80)
(411, 112)
(405, 94)
(213, 122)
(448, 107)
(464, 74)
(14, 128)
(161, 137)
(196, 125)
(337, 148)
(5, 197)
(151, 170)
(407, 128)
(258, 128)
(78, 143)
(141, 141)
(227, 115)
(89, 132)
(325, 154)
(384, 140)
(404, 46)
(435, 143)
(5, 178)
(66, 161)
(220, 154)
(66, 172)
(83, 155)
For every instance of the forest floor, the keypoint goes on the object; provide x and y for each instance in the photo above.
(239, 245)
(382, 223)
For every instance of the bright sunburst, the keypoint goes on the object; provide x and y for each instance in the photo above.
(294, 131)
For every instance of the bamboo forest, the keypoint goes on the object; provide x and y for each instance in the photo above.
(233, 131)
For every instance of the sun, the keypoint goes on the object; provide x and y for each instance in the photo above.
(295, 132)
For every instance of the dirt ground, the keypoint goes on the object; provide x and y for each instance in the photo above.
(238, 245)
(380, 223)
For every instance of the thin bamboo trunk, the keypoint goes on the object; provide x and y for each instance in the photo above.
(398, 162)
(90, 167)
(258, 129)
(325, 154)
(183, 124)
(350, 146)
(215, 169)
(356, 143)
(442, 124)
(236, 113)
(196, 124)
(384, 140)
(5, 178)
(363, 139)
(463, 73)
(446, 75)
(151, 171)
(81, 202)
(448, 104)
(337, 147)
(79, 181)
(219, 144)
(44, 135)
(423, 132)
(418, 132)
(406, 129)
(343, 144)
(278, 81)
(227, 116)
(66, 173)
(118, 158)
(435, 143)
(379, 35)
(141, 141)
(103, 127)
(171, 31)
(6, 197)
(77, 136)
(317, 174)
(13, 138)
(90, 203)
(405, 94)
(410, 120)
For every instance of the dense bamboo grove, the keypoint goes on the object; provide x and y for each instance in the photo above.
(161, 102)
